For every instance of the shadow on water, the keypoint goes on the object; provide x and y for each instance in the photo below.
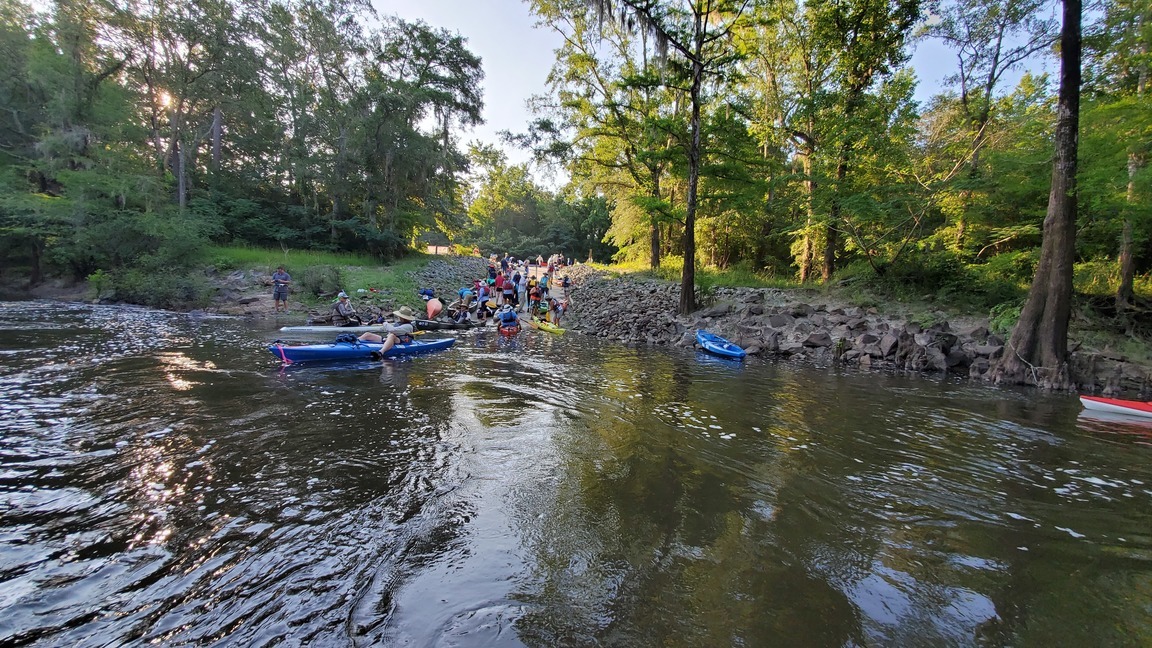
(163, 480)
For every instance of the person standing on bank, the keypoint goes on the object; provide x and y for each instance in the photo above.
(280, 281)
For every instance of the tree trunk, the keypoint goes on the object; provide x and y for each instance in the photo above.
(831, 240)
(181, 177)
(1037, 351)
(810, 206)
(688, 277)
(217, 136)
(339, 182)
(654, 231)
(1125, 292)
(37, 274)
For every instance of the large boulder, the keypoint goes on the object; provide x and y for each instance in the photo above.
(818, 339)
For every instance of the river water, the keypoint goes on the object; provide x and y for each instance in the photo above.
(164, 481)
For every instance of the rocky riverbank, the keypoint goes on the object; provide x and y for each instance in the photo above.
(782, 325)
(806, 326)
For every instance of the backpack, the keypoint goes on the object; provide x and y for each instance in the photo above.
(347, 338)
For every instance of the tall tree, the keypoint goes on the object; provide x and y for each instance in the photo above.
(787, 72)
(1119, 62)
(700, 32)
(1037, 350)
(870, 36)
(990, 38)
(615, 114)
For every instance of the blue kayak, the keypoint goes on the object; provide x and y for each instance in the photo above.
(354, 350)
(715, 344)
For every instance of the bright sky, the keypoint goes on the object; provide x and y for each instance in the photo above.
(517, 56)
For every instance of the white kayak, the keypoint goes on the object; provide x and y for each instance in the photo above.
(1117, 406)
(374, 328)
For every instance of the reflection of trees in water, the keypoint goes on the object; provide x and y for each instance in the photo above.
(861, 511)
(651, 539)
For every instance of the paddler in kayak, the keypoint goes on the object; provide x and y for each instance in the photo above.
(507, 319)
(343, 312)
(397, 333)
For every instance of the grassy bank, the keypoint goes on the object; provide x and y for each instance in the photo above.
(318, 276)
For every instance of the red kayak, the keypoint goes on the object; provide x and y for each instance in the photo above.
(1117, 406)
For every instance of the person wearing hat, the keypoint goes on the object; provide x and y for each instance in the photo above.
(507, 320)
(397, 333)
(343, 312)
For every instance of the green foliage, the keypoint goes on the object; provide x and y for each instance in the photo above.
(100, 284)
(150, 241)
(320, 280)
(162, 289)
(250, 141)
(941, 277)
(919, 272)
(222, 263)
(1003, 317)
(1100, 277)
(240, 257)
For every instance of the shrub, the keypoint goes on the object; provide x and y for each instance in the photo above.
(100, 284)
(916, 273)
(322, 280)
(1018, 267)
(1101, 277)
(162, 290)
(1002, 317)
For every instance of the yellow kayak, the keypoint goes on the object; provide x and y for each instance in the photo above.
(547, 326)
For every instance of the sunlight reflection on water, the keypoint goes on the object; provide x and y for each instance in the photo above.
(163, 480)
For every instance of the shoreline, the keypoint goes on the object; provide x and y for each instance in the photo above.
(791, 325)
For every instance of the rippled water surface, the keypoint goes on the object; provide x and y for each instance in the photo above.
(164, 481)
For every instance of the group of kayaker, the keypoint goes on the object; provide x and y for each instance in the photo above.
(510, 289)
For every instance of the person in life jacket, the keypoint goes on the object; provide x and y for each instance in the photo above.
(343, 312)
(399, 333)
(432, 306)
(556, 309)
(507, 319)
(533, 300)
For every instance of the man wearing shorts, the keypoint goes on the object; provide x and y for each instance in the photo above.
(280, 281)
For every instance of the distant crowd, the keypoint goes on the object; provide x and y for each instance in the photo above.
(512, 288)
